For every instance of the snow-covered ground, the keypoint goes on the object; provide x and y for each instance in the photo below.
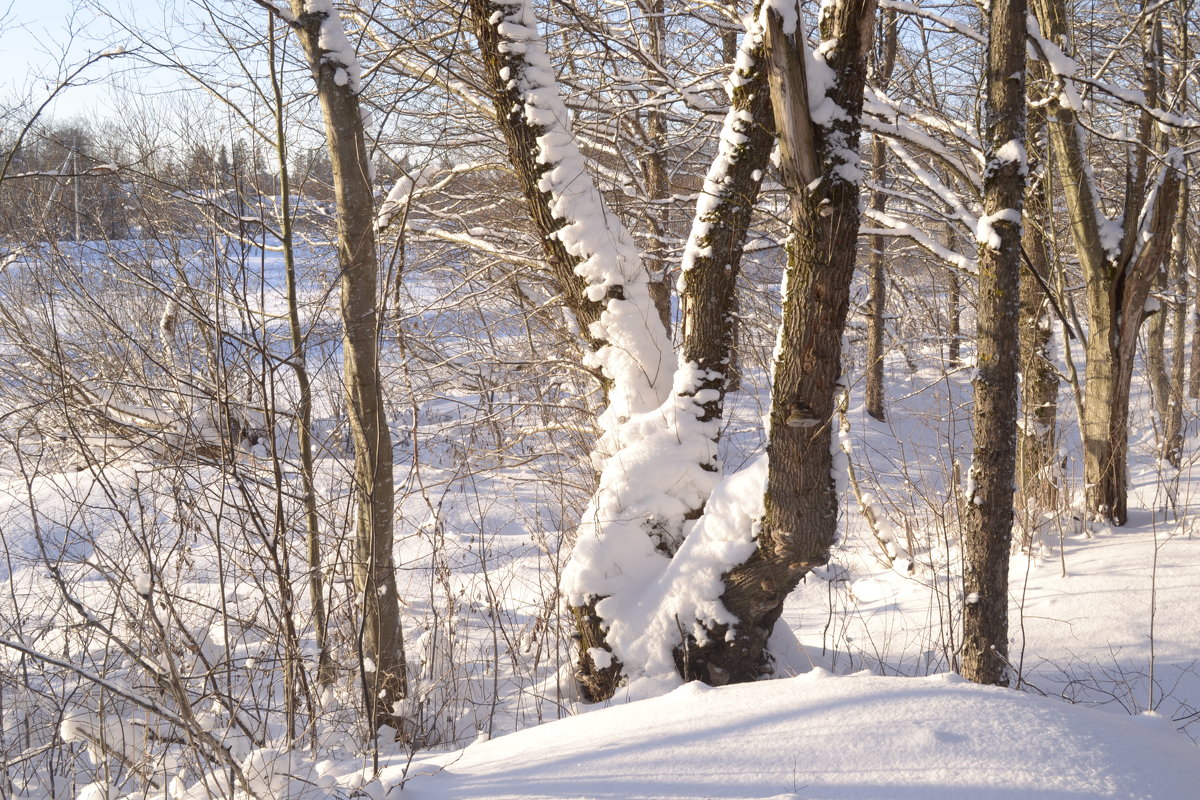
(819, 735)
(144, 569)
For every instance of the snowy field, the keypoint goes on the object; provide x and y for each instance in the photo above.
(124, 579)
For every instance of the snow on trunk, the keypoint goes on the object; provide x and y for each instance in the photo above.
(653, 487)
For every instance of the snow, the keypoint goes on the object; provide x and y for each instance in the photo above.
(818, 735)
(986, 234)
(1013, 151)
(400, 196)
(1080, 606)
(733, 134)
(336, 47)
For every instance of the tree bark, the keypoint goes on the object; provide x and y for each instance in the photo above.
(818, 164)
(712, 260)
(1037, 486)
(885, 62)
(381, 648)
(1177, 285)
(1118, 277)
(988, 530)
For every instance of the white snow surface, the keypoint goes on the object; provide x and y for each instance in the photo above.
(336, 46)
(823, 736)
(985, 232)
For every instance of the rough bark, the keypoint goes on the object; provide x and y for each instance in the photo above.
(800, 520)
(988, 526)
(1117, 278)
(521, 138)
(714, 254)
(381, 646)
(1037, 485)
(1177, 286)
(885, 62)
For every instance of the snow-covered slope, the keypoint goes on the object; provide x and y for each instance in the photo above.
(822, 736)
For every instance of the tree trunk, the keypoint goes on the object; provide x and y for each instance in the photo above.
(1177, 286)
(953, 354)
(312, 530)
(1118, 278)
(800, 519)
(382, 647)
(1037, 486)
(988, 531)
(710, 269)
(658, 216)
(885, 61)
(713, 256)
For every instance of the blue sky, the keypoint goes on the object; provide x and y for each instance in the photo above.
(40, 32)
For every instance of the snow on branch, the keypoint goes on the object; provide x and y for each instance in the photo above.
(897, 227)
(949, 24)
(336, 48)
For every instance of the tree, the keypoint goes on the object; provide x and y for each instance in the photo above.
(1119, 258)
(820, 169)
(986, 540)
(884, 63)
(337, 74)
(636, 522)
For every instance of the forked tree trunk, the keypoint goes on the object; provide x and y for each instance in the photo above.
(800, 519)
(988, 531)
(1118, 278)
(558, 190)
(381, 648)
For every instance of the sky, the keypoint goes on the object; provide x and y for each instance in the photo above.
(41, 39)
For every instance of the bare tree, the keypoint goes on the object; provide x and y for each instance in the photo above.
(884, 63)
(337, 74)
(1119, 258)
(986, 540)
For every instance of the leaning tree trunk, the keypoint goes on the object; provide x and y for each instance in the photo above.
(800, 520)
(988, 531)
(331, 59)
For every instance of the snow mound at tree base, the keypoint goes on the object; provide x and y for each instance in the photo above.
(823, 736)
